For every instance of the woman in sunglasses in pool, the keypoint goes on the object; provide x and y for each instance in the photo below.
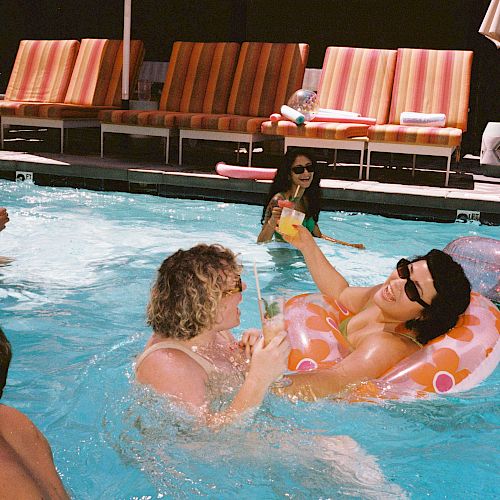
(421, 299)
(192, 356)
(296, 185)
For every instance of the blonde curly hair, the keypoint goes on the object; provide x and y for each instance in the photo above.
(189, 287)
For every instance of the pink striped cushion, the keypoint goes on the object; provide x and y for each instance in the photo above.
(431, 136)
(315, 130)
(266, 75)
(357, 80)
(432, 81)
(42, 70)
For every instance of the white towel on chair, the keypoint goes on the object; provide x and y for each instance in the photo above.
(422, 119)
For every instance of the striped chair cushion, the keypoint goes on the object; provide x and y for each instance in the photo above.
(431, 136)
(9, 108)
(57, 111)
(358, 80)
(137, 117)
(266, 75)
(199, 76)
(315, 130)
(96, 78)
(42, 70)
(432, 81)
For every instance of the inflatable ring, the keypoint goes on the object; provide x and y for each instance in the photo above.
(453, 362)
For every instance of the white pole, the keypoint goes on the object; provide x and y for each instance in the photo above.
(127, 9)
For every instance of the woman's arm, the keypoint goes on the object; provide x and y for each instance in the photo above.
(273, 214)
(375, 355)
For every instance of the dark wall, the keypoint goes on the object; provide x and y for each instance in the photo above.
(437, 24)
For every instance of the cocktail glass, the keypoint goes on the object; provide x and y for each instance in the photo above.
(288, 218)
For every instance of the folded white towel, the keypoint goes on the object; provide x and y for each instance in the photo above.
(423, 119)
(339, 112)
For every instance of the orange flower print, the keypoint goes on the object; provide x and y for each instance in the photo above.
(311, 358)
(496, 313)
(461, 330)
(321, 321)
(441, 376)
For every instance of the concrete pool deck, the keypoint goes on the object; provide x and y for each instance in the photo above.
(479, 200)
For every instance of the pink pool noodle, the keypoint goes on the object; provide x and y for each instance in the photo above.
(275, 117)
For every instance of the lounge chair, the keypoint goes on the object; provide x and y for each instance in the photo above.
(266, 75)
(95, 85)
(198, 80)
(352, 79)
(41, 73)
(429, 82)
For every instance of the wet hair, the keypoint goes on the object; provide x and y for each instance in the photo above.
(283, 182)
(452, 298)
(5, 357)
(189, 287)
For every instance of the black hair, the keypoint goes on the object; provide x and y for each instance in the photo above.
(5, 357)
(452, 299)
(283, 181)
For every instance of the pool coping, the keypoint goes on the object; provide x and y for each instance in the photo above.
(393, 200)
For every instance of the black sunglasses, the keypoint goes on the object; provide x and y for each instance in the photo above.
(299, 169)
(236, 289)
(411, 289)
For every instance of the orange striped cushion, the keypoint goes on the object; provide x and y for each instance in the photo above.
(58, 111)
(266, 75)
(431, 136)
(432, 81)
(358, 80)
(96, 79)
(315, 130)
(199, 76)
(42, 70)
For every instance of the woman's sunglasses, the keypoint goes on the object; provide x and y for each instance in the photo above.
(299, 169)
(411, 289)
(236, 289)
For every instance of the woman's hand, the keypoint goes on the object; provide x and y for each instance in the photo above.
(302, 239)
(275, 216)
(249, 339)
(269, 362)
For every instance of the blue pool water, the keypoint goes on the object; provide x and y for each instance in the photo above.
(72, 304)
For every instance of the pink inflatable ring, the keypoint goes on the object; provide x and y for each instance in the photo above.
(454, 362)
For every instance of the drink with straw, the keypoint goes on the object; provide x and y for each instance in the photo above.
(288, 218)
(274, 317)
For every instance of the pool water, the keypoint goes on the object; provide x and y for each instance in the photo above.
(73, 303)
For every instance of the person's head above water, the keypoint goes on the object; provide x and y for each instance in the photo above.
(191, 291)
(299, 168)
(435, 288)
(5, 357)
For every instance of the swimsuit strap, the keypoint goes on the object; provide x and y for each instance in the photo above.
(410, 337)
(172, 344)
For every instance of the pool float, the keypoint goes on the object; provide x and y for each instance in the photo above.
(455, 361)
(480, 258)
(238, 172)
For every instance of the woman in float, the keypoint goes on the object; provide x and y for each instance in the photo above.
(296, 182)
(192, 355)
(425, 295)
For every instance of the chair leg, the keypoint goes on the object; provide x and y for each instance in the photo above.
(250, 151)
(368, 165)
(102, 143)
(1, 134)
(180, 149)
(62, 140)
(448, 163)
(361, 158)
(413, 166)
(167, 148)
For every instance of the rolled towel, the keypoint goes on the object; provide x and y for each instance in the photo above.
(292, 114)
(275, 117)
(422, 119)
(338, 112)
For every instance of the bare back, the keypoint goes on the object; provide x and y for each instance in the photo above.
(27, 469)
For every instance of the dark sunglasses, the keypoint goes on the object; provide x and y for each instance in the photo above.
(410, 287)
(299, 169)
(237, 289)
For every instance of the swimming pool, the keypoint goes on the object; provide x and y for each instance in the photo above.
(73, 307)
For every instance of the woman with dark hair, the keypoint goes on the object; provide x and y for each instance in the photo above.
(297, 182)
(420, 300)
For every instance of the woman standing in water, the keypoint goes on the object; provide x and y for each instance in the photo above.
(296, 184)
(192, 356)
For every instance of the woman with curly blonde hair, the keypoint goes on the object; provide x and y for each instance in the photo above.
(192, 356)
